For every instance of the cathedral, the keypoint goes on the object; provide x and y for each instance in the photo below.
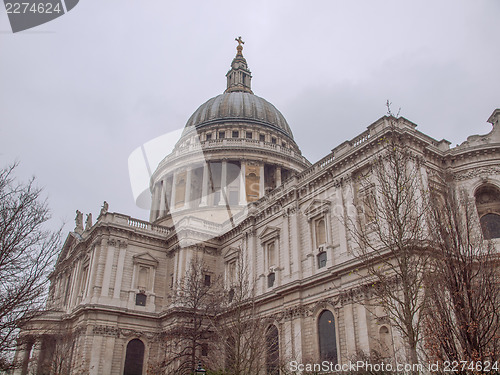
(236, 184)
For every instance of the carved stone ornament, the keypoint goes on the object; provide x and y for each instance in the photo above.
(477, 172)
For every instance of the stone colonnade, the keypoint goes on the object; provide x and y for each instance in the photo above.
(214, 183)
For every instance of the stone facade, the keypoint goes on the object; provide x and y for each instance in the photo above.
(237, 180)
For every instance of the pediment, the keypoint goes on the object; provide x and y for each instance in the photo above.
(145, 258)
(231, 253)
(317, 207)
(69, 243)
(269, 233)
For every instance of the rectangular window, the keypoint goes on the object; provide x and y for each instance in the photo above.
(273, 140)
(140, 299)
(270, 279)
(209, 136)
(262, 137)
(207, 280)
(322, 259)
(249, 135)
(235, 134)
(222, 135)
(204, 350)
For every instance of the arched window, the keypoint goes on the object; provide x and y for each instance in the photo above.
(320, 232)
(327, 337)
(488, 209)
(134, 358)
(272, 353)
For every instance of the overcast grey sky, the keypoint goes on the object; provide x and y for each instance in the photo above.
(79, 94)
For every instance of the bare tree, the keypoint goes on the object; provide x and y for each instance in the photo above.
(463, 323)
(195, 300)
(27, 253)
(240, 329)
(390, 236)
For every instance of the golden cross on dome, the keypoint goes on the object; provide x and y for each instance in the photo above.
(239, 40)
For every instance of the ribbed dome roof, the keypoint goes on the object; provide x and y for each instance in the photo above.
(237, 107)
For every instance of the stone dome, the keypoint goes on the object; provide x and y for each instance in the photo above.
(237, 106)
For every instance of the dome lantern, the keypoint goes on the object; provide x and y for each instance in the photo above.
(239, 77)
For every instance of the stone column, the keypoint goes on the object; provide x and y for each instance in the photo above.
(93, 264)
(287, 271)
(298, 338)
(154, 203)
(278, 176)
(363, 334)
(223, 184)
(23, 352)
(163, 202)
(252, 250)
(73, 291)
(108, 267)
(296, 252)
(243, 194)
(204, 186)
(172, 195)
(107, 354)
(187, 196)
(349, 330)
(95, 354)
(119, 272)
(261, 181)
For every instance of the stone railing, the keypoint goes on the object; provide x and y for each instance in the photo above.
(235, 142)
(115, 218)
(362, 138)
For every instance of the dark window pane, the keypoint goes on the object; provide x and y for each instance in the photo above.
(222, 135)
(209, 137)
(273, 140)
(262, 138)
(140, 299)
(249, 135)
(134, 358)
(235, 134)
(204, 350)
(322, 259)
(207, 280)
(231, 295)
(490, 224)
(327, 339)
(270, 279)
(273, 353)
